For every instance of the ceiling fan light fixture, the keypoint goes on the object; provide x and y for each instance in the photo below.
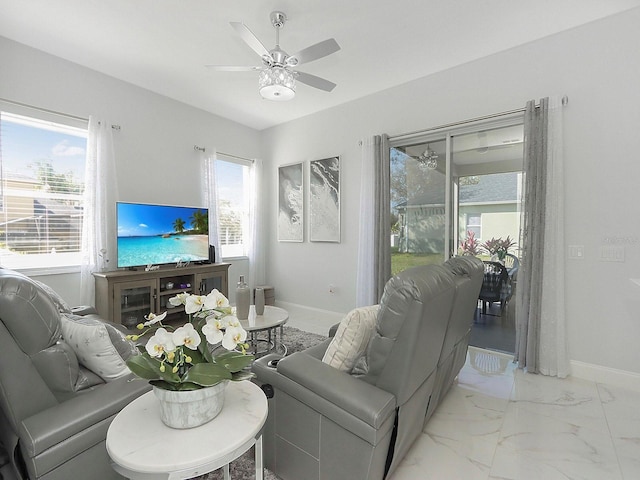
(429, 159)
(277, 84)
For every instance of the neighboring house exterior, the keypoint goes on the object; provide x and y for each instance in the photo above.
(31, 221)
(489, 207)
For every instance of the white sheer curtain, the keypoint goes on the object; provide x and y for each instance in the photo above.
(541, 341)
(256, 247)
(374, 252)
(100, 195)
(210, 199)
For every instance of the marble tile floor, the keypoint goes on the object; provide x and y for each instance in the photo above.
(499, 423)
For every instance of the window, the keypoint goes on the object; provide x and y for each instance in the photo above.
(474, 224)
(232, 179)
(42, 165)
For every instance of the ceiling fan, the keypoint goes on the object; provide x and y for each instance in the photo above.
(277, 80)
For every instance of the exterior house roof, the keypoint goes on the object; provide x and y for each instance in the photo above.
(501, 187)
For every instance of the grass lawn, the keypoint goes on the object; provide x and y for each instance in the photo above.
(402, 261)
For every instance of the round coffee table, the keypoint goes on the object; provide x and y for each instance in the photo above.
(272, 320)
(143, 448)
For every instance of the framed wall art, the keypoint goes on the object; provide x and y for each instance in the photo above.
(324, 200)
(291, 203)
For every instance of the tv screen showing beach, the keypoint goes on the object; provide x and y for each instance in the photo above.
(159, 234)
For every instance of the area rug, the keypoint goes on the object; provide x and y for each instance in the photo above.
(244, 467)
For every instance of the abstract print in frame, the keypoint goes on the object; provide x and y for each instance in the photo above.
(290, 203)
(324, 200)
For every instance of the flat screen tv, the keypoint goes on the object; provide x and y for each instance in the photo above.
(161, 234)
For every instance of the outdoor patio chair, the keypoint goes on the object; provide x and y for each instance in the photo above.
(496, 286)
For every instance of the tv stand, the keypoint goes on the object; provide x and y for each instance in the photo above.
(126, 296)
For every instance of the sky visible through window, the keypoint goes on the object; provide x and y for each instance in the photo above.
(24, 143)
(230, 181)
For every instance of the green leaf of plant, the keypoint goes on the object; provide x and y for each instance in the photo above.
(207, 374)
(162, 384)
(169, 376)
(144, 367)
(186, 386)
(203, 349)
(149, 368)
(242, 375)
(234, 361)
(196, 355)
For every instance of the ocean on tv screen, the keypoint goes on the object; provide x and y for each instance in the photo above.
(161, 249)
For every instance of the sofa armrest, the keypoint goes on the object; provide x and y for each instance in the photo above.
(61, 422)
(304, 375)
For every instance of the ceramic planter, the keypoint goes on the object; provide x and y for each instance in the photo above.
(190, 408)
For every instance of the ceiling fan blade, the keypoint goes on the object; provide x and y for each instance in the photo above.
(314, 52)
(250, 39)
(315, 82)
(232, 68)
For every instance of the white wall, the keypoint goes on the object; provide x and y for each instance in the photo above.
(155, 158)
(598, 67)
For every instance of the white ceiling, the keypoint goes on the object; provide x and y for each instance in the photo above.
(163, 45)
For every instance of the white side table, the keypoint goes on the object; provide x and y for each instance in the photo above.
(143, 448)
(270, 321)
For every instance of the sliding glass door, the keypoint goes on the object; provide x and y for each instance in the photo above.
(451, 192)
(419, 192)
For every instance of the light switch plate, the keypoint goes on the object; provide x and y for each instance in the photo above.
(612, 253)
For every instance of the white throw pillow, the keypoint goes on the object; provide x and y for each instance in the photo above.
(100, 347)
(352, 338)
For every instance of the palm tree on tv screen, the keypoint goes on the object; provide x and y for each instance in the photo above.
(178, 225)
(200, 221)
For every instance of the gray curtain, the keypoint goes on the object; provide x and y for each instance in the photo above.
(383, 216)
(541, 326)
(374, 252)
(531, 274)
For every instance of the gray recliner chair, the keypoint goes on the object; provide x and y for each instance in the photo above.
(327, 424)
(468, 272)
(54, 413)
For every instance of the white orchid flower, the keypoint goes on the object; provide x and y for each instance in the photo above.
(231, 321)
(194, 303)
(187, 336)
(160, 343)
(233, 336)
(214, 330)
(215, 300)
(179, 299)
(153, 318)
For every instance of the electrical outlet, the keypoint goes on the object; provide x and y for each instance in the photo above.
(576, 252)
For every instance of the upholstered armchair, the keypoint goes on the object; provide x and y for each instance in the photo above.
(54, 410)
(358, 419)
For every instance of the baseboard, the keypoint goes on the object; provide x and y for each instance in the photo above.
(610, 376)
